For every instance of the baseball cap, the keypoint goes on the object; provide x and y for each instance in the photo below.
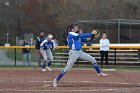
(50, 36)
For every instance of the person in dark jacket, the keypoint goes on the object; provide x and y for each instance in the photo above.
(26, 53)
(39, 40)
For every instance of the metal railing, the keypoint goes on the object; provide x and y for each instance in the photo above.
(95, 46)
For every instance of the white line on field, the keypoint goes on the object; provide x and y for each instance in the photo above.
(120, 83)
(113, 70)
(89, 90)
(47, 86)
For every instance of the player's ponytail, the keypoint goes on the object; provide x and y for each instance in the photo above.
(69, 28)
(72, 26)
(65, 35)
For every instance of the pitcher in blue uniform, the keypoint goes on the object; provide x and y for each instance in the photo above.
(74, 42)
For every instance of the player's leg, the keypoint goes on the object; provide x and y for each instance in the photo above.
(106, 58)
(73, 56)
(24, 58)
(102, 57)
(88, 57)
(44, 55)
(50, 59)
(39, 56)
(29, 59)
(50, 56)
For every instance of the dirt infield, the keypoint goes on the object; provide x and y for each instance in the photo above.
(31, 80)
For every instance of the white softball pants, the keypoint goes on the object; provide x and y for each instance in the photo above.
(74, 55)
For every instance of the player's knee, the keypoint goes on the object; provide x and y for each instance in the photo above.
(45, 59)
(66, 69)
(51, 59)
(93, 61)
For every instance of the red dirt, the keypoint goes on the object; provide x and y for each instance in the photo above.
(21, 80)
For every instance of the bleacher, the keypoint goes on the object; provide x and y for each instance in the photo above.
(116, 57)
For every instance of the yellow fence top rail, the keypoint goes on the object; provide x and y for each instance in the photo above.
(96, 46)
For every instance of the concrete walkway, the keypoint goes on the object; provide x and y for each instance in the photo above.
(4, 60)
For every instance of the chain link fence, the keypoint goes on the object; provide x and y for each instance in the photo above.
(117, 30)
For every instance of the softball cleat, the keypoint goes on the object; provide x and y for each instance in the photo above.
(43, 70)
(102, 75)
(55, 83)
(49, 69)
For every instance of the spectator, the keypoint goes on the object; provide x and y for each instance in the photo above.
(104, 48)
(26, 53)
(39, 40)
(80, 31)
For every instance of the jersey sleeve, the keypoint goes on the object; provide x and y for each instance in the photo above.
(86, 39)
(42, 44)
(84, 35)
(83, 39)
(108, 43)
(76, 35)
(53, 44)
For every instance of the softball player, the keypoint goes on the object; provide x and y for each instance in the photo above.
(74, 42)
(46, 52)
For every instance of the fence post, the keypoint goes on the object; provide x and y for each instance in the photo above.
(115, 56)
(77, 63)
(15, 57)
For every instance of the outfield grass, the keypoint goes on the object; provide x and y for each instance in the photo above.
(12, 66)
(19, 56)
(11, 54)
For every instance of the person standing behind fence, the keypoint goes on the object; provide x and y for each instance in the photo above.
(39, 40)
(104, 48)
(26, 53)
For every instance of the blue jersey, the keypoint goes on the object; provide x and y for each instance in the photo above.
(75, 40)
(46, 44)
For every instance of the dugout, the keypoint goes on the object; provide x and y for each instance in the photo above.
(118, 30)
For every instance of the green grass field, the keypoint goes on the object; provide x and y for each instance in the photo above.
(11, 54)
